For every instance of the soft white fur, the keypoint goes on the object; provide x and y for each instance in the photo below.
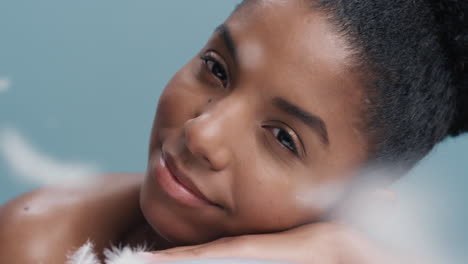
(125, 255)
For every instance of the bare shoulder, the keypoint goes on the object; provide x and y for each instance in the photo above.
(43, 225)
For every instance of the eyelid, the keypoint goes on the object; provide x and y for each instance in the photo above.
(301, 152)
(213, 55)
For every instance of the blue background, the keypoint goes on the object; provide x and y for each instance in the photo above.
(86, 75)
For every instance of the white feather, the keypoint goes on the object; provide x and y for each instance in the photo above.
(84, 255)
(125, 255)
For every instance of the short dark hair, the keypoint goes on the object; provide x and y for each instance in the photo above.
(414, 55)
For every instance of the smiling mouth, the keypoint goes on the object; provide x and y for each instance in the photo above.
(178, 185)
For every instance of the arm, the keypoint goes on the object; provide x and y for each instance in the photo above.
(45, 224)
(319, 243)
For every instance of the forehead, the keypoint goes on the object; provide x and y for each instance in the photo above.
(287, 49)
(297, 44)
(291, 31)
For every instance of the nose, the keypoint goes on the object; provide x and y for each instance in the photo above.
(210, 135)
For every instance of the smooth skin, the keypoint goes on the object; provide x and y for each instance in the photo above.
(45, 225)
(269, 110)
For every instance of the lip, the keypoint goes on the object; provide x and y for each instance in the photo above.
(177, 184)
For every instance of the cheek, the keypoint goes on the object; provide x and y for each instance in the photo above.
(268, 200)
(181, 99)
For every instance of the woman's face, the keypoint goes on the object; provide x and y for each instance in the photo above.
(262, 128)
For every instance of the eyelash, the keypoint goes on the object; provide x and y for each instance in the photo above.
(277, 132)
(212, 65)
(209, 57)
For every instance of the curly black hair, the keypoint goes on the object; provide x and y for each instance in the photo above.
(414, 56)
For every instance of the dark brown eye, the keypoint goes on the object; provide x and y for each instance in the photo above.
(284, 139)
(216, 68)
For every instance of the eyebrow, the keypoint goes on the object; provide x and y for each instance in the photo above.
(309, 119)
(225, 34)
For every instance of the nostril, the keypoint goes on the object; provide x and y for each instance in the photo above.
(208, 162)
(206, 159)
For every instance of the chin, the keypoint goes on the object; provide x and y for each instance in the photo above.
(172, 224)
(176, 231)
